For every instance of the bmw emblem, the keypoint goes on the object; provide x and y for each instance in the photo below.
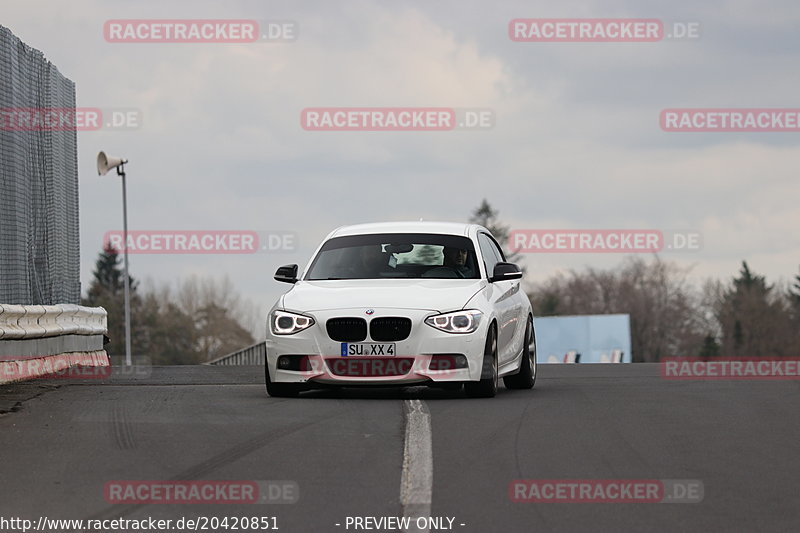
(370, 311)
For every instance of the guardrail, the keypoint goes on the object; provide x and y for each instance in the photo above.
(41, 340)
(252, 355)
(41, 321)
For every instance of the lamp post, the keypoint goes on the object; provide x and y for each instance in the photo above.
(104, 164)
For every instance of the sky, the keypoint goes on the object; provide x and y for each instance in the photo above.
(575, 142)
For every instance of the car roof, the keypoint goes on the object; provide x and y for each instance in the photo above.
(443, 228)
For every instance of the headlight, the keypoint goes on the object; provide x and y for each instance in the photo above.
(285, 323)
(456, 322)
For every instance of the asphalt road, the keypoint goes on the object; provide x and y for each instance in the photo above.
(381, 453)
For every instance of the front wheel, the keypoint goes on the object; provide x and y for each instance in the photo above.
(526, 377)
(487, 386)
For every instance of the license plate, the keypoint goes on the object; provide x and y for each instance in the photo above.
(366, 349)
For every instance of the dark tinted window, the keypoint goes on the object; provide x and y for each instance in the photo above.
(395, 255)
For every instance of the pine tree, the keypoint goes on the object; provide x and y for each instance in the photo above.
(107, 290)
(487, 217)
(108, 275)
(747, 281)
(755, 323)
(794, 298)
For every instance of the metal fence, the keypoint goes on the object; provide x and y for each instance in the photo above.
(39, 241)
(252, 355)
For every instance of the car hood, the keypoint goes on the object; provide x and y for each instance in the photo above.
(434, 294)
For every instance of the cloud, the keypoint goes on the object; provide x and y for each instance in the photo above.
(576, 141)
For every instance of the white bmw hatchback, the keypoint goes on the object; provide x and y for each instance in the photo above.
(409, 303)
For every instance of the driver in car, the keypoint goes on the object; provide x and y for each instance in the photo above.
(456, 258)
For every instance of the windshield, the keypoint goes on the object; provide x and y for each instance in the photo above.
(395, 255)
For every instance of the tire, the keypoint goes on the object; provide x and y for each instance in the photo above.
(487, 386)
(526, 377)
(280, 390)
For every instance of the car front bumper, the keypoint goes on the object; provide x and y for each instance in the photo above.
(412, 362)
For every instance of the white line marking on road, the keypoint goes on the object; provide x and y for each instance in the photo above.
(416, 485)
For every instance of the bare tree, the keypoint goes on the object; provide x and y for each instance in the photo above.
(669, 318)
(196, 293)
(198, 319)
(666, 312)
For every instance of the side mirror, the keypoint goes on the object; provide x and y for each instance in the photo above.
(505, 271)
(287, 274)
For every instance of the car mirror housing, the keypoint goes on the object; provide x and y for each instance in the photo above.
(505, 271)
(286, 274)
